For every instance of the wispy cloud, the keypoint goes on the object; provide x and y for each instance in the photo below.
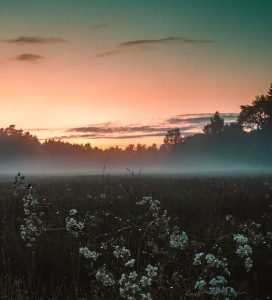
(110, 137)
(149, 44)
(100, 25)
(29, 57)
(202, 118)
(22, 40)
(187, 123)
(165, 40)
(113, 129)
(108, 53)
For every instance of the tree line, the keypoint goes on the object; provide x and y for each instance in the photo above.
(248, 141)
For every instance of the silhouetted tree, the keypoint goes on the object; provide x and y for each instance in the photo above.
(172, 137)
(130, 148)
(258, 115)
(215, 126)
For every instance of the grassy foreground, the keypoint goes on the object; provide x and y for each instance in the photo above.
(138, 237)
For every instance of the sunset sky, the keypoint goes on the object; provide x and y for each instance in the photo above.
(124, 71)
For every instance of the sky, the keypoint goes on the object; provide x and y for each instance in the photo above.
(119, 72)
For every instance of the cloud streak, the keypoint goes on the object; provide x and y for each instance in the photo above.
(111, 129)
(166, 40)
(108, 53)
(23, 40)
(110, 137)
(148, 44)
(188, 124)
(228, 117)
(100, 25)
(29, 57)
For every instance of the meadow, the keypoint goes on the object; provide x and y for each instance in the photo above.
(136, 237)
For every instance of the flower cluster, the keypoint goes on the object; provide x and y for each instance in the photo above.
(151, 271)
(244, 250)
(178, 240)
(33, 224)
(105, 277)
(198, 259)
(121, 252)
(130, 263)
(216, 287)
(88, 254)
(154, 205)
(129, 285)
(72, 225)
(211, 261)
(133, 285)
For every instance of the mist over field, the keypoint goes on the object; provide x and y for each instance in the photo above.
(200, 166)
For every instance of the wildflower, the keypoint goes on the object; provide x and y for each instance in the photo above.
(200, 284)
(129, 285)
(80, 225)
(197, 258)
(73, 212)
(70, 222)
(121, 252)
(226, 292)
(88, 254)
(130, 263)
(132, 275)
(248, 264)
(178, 240)
(218, 280)
(240, 239)
(245, 250)
(146, 296)
(145, 281)
(154, 205)
(151, 271)
(105, 277)
(213, 261)
(72, 226)
(144, 201)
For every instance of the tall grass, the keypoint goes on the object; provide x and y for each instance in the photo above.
(117, 221)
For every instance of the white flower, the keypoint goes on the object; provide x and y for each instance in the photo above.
(245, 250)
(80, 225)
(133, 275)
(70, 222)
(198, 258)
(88, 254)
(146, 296)
(178, 240)
(130, 263)
(121, 252)
(145, 281)
(73, 212)
(105, 277)
(200, 284)
(218, 280)
(214, 262)
(248, 264)
(240, 239)
(151, 271)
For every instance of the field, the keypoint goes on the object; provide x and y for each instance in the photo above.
(110, 237)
